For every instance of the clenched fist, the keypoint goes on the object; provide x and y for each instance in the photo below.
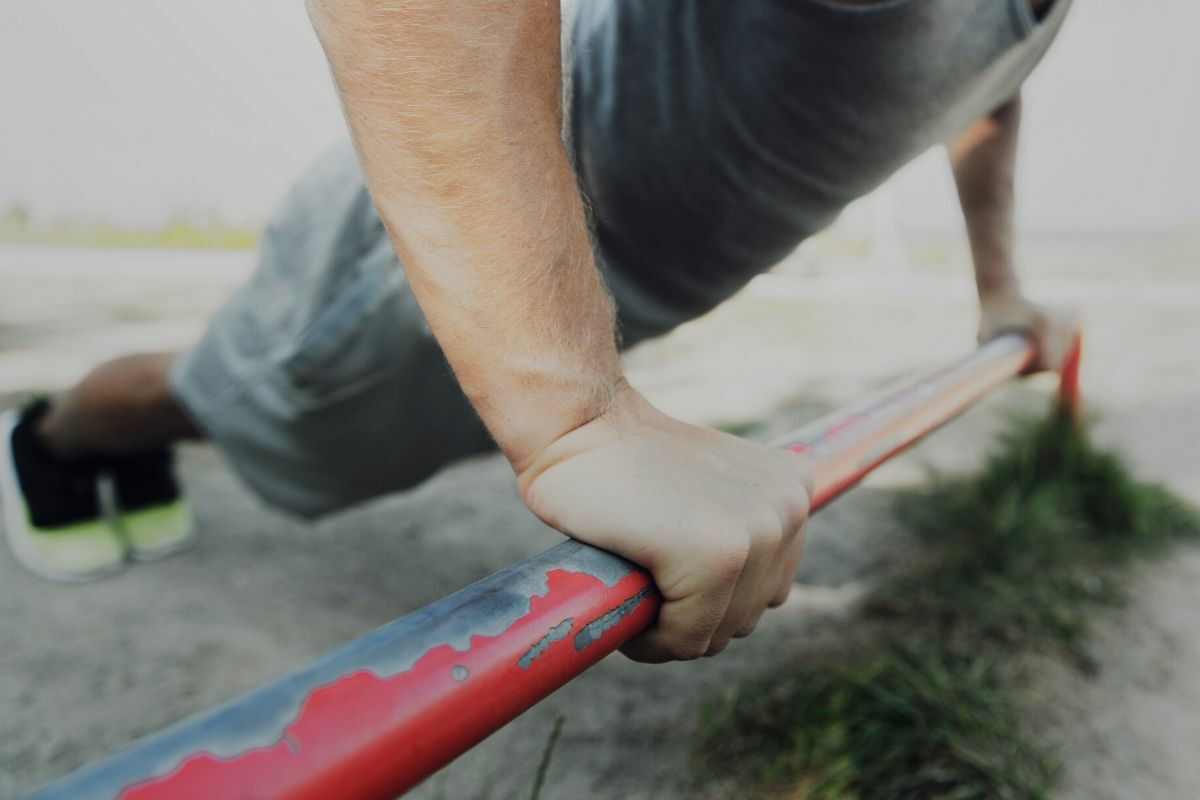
(1054, 330)
(718, 521)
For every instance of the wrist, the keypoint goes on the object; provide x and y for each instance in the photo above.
(996, 278)
(625, 411)
(543, 418)
(1006, 312)
(1000, 294)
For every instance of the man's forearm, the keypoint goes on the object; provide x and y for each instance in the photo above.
(984, 162)
(455, 111)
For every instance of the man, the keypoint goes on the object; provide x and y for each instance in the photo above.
(706, 139)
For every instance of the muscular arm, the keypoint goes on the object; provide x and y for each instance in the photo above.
(454, 108)
(984, 162)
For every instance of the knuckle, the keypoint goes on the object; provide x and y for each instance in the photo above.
(745, 630)
(727, 563)
(768, 534)
(690, 650)
(715, 648)
(797, 511)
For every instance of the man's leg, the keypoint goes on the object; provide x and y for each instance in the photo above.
(88, 480)
(319, 380)
(121, 407)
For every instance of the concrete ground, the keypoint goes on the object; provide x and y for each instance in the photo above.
(86, 669)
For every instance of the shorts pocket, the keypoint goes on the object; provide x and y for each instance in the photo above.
(860, 7)
(842, 12)
(349, 347)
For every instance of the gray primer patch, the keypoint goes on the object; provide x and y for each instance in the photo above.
(556, 634)
(592, 632)
(460, 673)
(260, 718)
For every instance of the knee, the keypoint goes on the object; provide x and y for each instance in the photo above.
(137, 382)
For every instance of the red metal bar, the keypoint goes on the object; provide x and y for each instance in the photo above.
(1070, 401)
(374, 718)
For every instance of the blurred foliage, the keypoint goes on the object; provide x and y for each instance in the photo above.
(1020, 554)
(179, 233)
(739, 427)
(1027, 548)
(903, 722)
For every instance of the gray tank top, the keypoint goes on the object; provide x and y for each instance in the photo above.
(713, 136)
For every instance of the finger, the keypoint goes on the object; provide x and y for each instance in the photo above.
(767, 587)
(750, 623)
(1053, 330)
(749, 597)
(782, 565)
(793, 551)
(1058, 337)
(787, 575)
(684, 628)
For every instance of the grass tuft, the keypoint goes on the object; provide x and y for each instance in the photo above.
(1020, 554)
(1023, 551)
(179, 233)
(905, 722)
(539, 779)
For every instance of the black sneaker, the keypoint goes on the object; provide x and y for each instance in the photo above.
(151, 511)
(53, 513)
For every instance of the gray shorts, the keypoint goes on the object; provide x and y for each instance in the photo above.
(320, 379)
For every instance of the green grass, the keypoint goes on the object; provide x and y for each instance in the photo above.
(539, 780)
(739, 427)
(1021, 556)
(15, 228)
(902, 722)
(1024, 551)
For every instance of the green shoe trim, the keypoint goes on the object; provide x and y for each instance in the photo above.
(158, 530)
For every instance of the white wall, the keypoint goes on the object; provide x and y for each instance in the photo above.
(1112, 128)
(130, 110)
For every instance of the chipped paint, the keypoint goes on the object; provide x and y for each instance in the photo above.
(511, 600)
(422, 718)
(556, 634)
(260, 719)
(592, 632)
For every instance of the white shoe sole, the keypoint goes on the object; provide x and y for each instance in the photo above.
(16, 522)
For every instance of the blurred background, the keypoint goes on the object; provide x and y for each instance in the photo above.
(145, 144)
(138, 113)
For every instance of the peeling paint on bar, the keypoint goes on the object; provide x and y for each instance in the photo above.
(592, 632)
(556, 634)
(259, 722)
(365, 700)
